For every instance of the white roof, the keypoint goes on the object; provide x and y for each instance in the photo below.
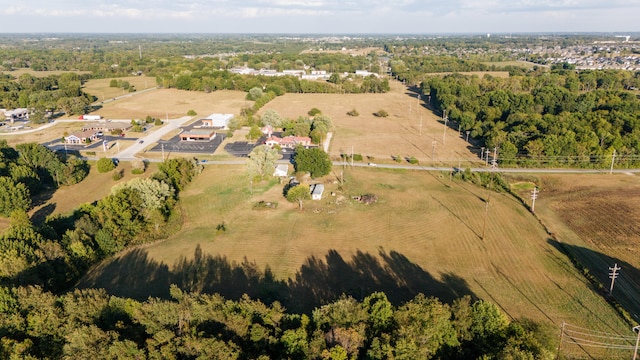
(215, 117)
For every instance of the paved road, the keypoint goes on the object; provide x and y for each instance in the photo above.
(170, 125)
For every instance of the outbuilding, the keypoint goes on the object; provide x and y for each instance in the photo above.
(316, 191)
(219, 121)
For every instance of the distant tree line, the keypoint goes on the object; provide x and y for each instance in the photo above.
(42, 95)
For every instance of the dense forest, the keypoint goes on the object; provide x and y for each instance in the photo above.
(546, 118)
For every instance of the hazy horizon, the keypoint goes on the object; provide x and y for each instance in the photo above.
(320, 16)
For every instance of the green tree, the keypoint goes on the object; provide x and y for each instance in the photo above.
(272, 118)
(262, 161)
(298, 193)
(313, 160)
(105, 165)
(13, 196)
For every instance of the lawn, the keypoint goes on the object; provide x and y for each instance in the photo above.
(423, 235)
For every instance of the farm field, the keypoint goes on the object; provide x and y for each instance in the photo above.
(423, 235)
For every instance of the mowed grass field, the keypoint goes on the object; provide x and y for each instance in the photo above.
(411, 129)
(598, 218)
(172, 103)
(423, 235)
(102, 91)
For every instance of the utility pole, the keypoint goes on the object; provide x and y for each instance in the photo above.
(613, 157)
(433, 148)
(482, 153)
(534, 196)
(635, 349)
(486, 158)
(444, 131)
(351, 155)
(613, 274)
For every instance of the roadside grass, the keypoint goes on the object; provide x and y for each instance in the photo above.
(425, 233)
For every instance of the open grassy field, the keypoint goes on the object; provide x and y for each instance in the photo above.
(173, 103)
(17, 72)
(423, 235)
(598, 218)
(93, 188)
(411, 129)
(101, 90)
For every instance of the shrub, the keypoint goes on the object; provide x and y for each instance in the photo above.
(381, 113)
(397, 158)
(412, 160)
(357, 157)
(314, 112)
(105, 165)
(157, 122)
(117, 175)
(353, 112)
(192, 112)
(137, 171)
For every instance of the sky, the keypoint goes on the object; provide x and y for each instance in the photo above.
(318, 16)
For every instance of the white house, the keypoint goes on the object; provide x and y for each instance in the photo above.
(217, 121)
(316, 191)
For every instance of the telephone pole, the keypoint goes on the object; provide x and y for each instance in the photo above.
(613, 158)
(534, 196)
(613, 274)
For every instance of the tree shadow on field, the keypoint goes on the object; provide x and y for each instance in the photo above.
(40, 215)
(598, 266)
(318, 281)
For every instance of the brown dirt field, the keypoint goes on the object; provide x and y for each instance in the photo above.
(381, 138)
(425, 234)
(174, 104)
(597, 217)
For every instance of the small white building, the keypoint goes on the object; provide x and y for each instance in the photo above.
(220, 121)
(316, 191)
(281, 170)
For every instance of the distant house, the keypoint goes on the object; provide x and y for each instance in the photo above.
(316, 191)
(16, 114)
(288, 141)
(219, 121)
(281, 170)
(198, 135)
(81, 137)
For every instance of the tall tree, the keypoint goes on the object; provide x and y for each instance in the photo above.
(262, 161)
